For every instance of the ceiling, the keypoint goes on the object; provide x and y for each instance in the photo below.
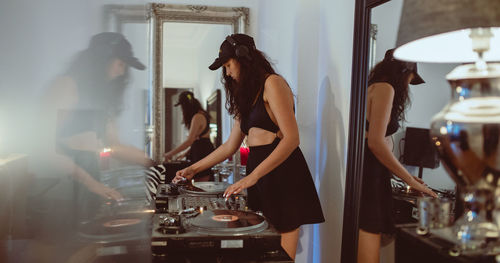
(185, 35)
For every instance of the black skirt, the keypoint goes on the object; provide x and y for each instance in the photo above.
(199, 150)
(286, 196)
(376, 213)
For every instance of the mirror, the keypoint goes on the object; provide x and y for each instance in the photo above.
(423, 107)
(376, 29)
(132, 22)
(185, 41)
(355, 146)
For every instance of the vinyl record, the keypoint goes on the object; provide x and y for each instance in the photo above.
(125, 222)
(203, 188)
(128, 226)
(222, 222)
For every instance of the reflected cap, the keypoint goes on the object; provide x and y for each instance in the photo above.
(184, 97)
(408, 66)
(118, 46)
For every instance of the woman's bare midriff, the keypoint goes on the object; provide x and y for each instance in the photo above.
(258, 136)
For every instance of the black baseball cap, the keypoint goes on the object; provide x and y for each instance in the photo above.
(409, 66)
(227, 50)
(118, 46)
(184, 97)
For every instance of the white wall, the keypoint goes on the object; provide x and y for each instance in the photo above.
(211, 80)
(311, 44)
(180, 67)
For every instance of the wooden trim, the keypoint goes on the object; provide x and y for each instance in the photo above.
(374, 3)
(216, 98)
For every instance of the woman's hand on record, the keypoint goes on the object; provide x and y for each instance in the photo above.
(184, 174)
(106, 192)
(418, 185)
(239, 186)
(167, 157)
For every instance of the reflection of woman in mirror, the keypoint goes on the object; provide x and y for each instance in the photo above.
(197, 121)
(278, 180)
(386, 103)
(85, 103)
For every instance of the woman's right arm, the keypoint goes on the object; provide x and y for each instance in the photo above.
(220, 154)
(381, 98)
(198, 123)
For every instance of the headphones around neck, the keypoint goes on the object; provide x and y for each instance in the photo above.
(239, 50)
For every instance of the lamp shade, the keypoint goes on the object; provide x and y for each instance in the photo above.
(438, 30)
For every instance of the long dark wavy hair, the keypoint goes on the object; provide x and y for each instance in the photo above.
(396, 73)
(189, 108)
(240, 96)
(89, 69)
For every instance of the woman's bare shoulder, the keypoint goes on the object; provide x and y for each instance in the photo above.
(63, 92)
(198, 117)
(275, 80)
(380, 87)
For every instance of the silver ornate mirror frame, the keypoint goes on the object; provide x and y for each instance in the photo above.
(158, 14)
(114, 16)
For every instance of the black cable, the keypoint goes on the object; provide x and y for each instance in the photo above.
(401, 153)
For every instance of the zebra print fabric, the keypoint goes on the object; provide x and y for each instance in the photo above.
(155, 175)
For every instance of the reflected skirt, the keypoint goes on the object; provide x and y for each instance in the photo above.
(376, 214)
(199, 150)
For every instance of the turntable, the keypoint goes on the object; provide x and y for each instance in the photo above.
(116, 228)
(179, 203)
(117, 238)
(227, 222)
(195, 223)
(241, 236)
(175, 197)
(203, 188)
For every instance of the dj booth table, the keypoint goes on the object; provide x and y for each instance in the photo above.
(414, 248)
(136, 230)
(185, 222)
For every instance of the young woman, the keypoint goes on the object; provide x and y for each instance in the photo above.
(197, 121)
(386, 103)
(278, 180)
(84, 104)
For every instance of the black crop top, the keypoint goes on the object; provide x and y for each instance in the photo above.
(258, 117)
(207, 127)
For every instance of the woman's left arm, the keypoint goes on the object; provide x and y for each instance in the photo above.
(197, 123)
(280, 99)
(125, 152)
